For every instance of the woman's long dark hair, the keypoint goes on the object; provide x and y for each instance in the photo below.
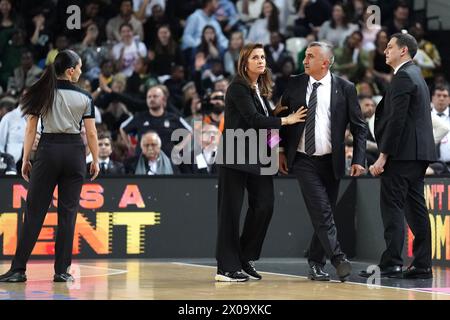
(204, 47)
(273, 21)
(39, 98)
(171, 47)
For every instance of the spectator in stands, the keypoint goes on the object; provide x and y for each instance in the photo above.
(203, 155)
(337, 29)
(189, 94)
(91, 16)
(7, 164)
(158, 19)
(276, 53)
(231, 56)
(144, 8)
(211, 75)
(369, 30)
(41, 36)
(195, 24)
(24, 75)
(440, 101)
(268, 22)
(377, 61)
(115, 111)
(113, 28)
(175, 84)
(105, 149)
(156, 118)
(208, 47)
(61, 43)
(287, 69)
(141, 79)
(311, 15)
(12, 133)
(429, 50)
(227, 16)
(11, 55)
(128, 50)
(9, 21)
(214, 106)
(249, 10)
(7, 104)
(91, 52)
(164, 52)
(400, 20)
(351, 61)
(152, 161)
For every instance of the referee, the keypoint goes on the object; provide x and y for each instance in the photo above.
(60, 160)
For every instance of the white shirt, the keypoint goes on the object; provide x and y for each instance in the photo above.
(153, 167)
(444, 147)
(261, 100)
(131, 53)
(399, 66)
(12, 133)
(323, 116)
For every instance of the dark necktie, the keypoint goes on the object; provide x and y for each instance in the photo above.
(440, 114)
(103, 167)
(310, 139)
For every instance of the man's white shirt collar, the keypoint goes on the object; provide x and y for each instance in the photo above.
(401, 64)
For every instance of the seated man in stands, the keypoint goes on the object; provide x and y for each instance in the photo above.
(107, 166)
(203, 155)
(152, 160)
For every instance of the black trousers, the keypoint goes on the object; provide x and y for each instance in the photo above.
(60, 160)
(233, 249)
(320, 190)
(402, 184)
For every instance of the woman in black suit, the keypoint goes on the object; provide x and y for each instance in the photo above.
(246, 108)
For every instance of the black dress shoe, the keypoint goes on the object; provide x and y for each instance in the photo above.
(417, 273)
(391, 271)
(316, 273)
(231, 276)
(343, 269)
(13, 276)
(63, 277)
(249, 268)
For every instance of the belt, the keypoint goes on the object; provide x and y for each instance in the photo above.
(322, 157)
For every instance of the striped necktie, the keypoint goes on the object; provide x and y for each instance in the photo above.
(310, 139)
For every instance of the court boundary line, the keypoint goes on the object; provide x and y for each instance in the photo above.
(115, 272)
(335, 281)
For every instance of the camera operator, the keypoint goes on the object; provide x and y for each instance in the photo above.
(213, 107)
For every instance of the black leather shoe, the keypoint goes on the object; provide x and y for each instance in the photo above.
(231, 276)
(63, 277)
(343, 269)
(316, 273)
(249, 268)
(13, 276)
(391, 271)
(417, 273)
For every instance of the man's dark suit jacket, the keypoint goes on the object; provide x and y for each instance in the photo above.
(403, 126)
(344, 109)
(113, 167)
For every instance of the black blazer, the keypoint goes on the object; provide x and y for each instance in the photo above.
(344, 109)
(403, 126)
(243, 110)
(113, 167)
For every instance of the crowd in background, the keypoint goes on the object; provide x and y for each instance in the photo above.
(156, 66)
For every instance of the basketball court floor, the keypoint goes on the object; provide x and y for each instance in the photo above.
(186, 279)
